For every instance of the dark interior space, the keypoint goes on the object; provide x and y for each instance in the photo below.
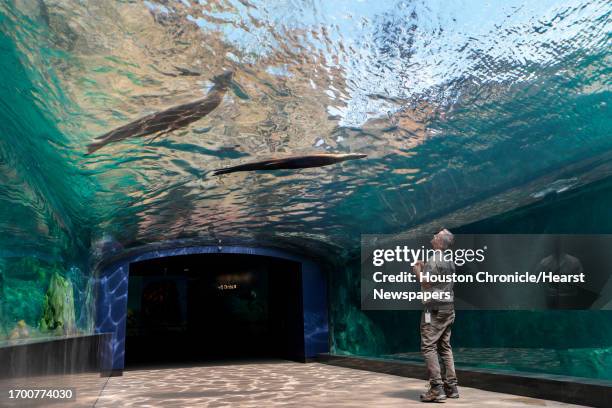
(205, 307)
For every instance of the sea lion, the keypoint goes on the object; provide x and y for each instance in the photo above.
(294, 162)
(169, 119)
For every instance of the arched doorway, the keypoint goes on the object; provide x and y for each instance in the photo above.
(303, 336)
(205, 307)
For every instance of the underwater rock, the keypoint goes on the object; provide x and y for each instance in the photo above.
(58, 308)
(106, 245)
(24, 282)
(586, 362)
(21, 331)
(357, 334)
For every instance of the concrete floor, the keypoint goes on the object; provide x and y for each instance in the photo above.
(283, 384)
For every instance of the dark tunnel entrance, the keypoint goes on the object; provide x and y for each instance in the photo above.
(204, 307)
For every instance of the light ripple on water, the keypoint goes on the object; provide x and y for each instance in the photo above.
(456, 105)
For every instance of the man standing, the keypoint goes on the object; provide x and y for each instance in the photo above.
(436, 321)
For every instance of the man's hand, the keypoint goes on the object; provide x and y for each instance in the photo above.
(418, 271)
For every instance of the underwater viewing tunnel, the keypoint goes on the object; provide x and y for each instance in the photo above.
(196, 197)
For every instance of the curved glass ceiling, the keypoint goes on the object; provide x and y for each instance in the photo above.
(465, 109)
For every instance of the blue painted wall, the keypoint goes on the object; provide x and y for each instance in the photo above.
(112, 286)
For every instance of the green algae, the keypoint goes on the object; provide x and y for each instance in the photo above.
(41, 298)
(58, 307)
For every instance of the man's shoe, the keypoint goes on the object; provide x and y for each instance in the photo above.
(434, 394)
(451, 391)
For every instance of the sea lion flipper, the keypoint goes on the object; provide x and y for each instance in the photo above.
(92, 147)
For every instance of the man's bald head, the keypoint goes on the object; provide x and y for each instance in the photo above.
(443, 239)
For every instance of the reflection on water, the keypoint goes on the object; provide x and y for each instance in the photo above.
(453, 104)
(587, 362)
